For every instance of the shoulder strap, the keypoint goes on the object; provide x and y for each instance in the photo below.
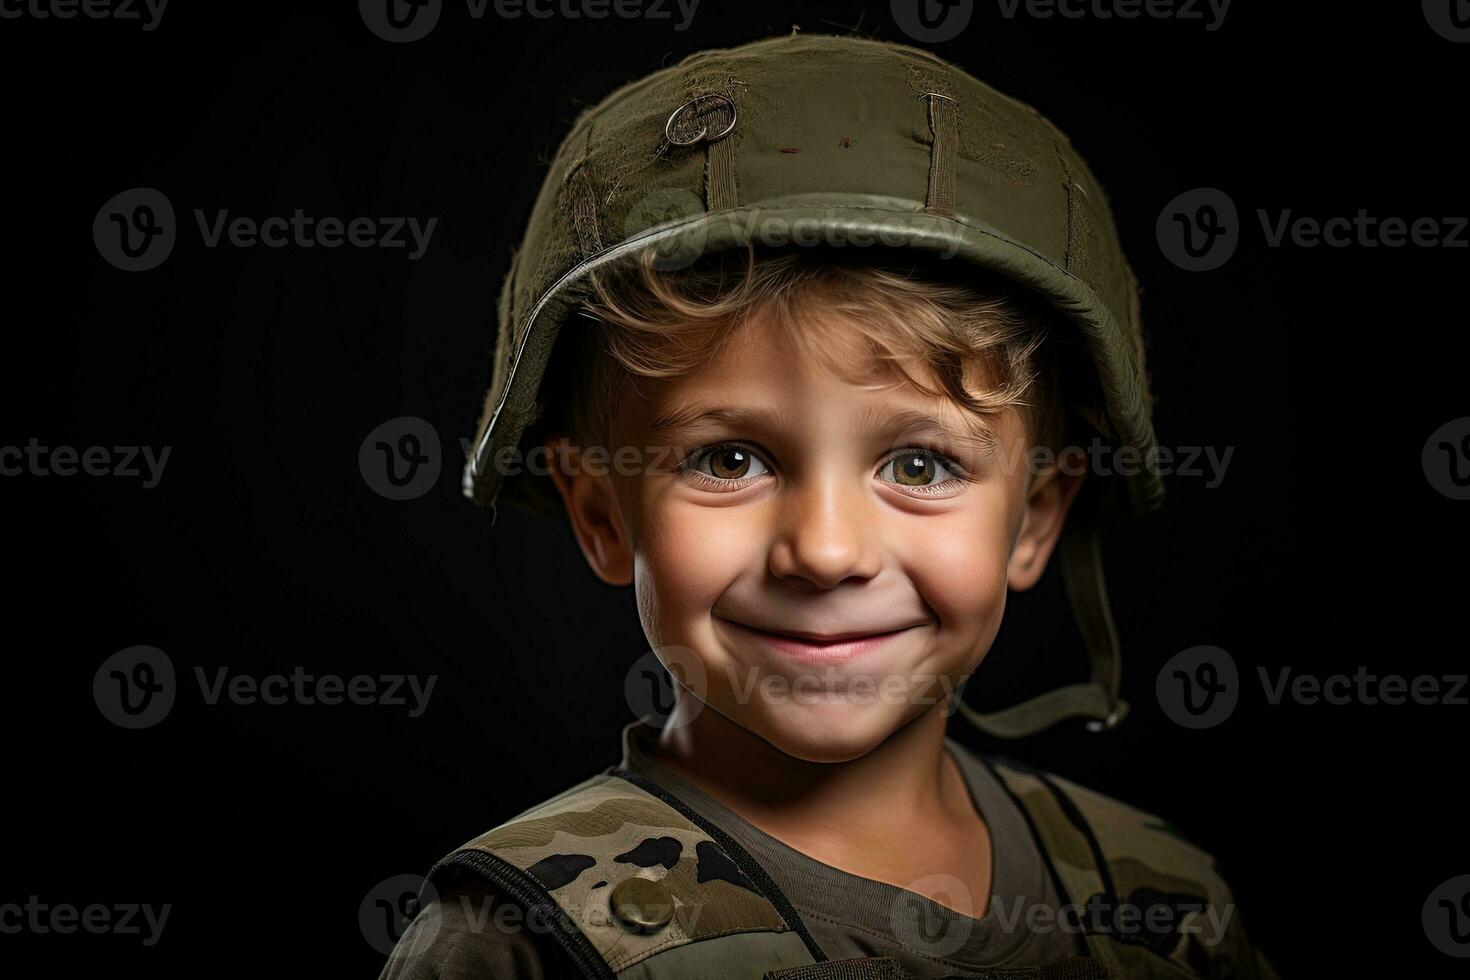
(634, 885)
(1151, 903)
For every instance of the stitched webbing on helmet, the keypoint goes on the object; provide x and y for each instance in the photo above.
(583, 201)
(584, 212)
(1082, 571)
(719, 175)
(703, 80)
(929, 82)
(944, 125)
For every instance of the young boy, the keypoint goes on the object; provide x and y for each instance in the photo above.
(805, 328)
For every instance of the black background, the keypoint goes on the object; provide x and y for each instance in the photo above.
(263, 549)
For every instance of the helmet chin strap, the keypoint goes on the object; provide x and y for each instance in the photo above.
(1097, 700)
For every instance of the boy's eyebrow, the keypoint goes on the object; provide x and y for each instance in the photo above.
(686, 415)
(896, 423)
(910, 422)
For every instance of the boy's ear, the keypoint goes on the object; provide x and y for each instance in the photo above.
(592, 507)
(1048, 498)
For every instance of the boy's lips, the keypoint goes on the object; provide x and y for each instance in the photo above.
(823, 647)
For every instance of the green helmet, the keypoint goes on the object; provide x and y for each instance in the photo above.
(867, 142)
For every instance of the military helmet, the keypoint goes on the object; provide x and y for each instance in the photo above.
(868, 141)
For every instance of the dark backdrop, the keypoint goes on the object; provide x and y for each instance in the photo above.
(263, 548)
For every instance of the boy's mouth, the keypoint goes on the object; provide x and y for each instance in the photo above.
(822, 647)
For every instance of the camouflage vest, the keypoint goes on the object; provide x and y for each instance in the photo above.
(635, 885)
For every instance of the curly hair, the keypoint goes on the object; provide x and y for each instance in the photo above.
(950, 329)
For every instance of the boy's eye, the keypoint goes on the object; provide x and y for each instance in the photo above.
(917, 468)
(727, 463)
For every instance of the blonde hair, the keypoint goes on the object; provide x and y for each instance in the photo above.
(948, 328)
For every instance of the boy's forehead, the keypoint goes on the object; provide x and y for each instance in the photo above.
(760, 363)
(781, 392)
(832, 352)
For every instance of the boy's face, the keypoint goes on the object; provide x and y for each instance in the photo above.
(817, 511)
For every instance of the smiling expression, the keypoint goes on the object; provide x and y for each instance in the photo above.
(837, 555)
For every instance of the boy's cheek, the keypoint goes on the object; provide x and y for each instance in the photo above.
(691, 563)
(694, 554)
(963, 579)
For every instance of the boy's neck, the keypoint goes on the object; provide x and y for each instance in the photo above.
(907, 781)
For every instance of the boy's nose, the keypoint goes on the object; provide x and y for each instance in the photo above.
(824, 535)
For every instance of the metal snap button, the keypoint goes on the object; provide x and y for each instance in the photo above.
(692, 111)
(641, 904)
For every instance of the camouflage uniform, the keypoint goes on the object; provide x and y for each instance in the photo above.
(1152, 905)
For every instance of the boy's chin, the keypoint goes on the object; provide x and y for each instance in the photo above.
(827, 732)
